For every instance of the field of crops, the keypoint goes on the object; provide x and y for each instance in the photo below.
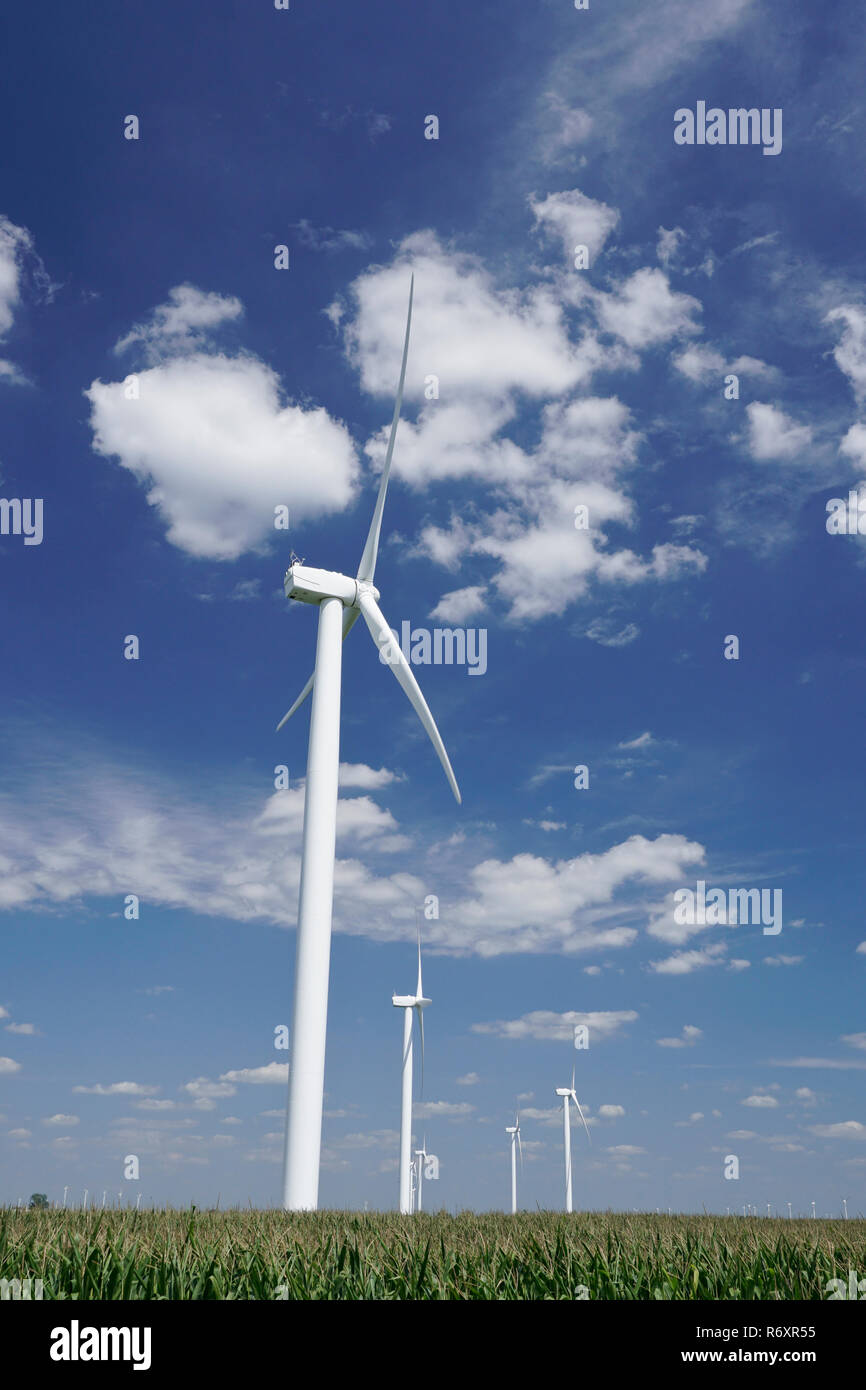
(340, 1255)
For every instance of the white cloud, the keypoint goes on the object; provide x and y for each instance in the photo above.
(761, 1102)
(25, 1029)
(183, 323)
(480, 341)
(470, 1079)
(850, 352)
(699, 362)
(611, 1112)
(330, 239)
(461, 604)
(19, 265)
(273, 1073)
(441, 1109)
(625, 1150)
(642, 741)
(62, 1121)
(217, 451)
(784, 960)
(116, 1088)
(359, 775)
(575, 220)
(8, 1066)
(845, 1129)
(686, 962)
(546, 1026)
(857, 1040)
(774, 435)
(644, 311)
(687, 1038)
(202, 1089)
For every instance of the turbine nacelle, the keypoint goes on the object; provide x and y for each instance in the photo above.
(410, 1001)
(308, 585)
(564, 1091)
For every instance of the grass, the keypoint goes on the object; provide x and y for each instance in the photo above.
(347, 1256)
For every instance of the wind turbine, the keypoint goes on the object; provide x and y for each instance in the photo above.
(514, 1131)
(65, 1190)
(411, 1004)
(340, 601)
(567, 1094)
(844, 1209)
(420, 1160)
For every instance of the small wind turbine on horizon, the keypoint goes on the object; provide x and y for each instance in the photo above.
(340, 601)
(516, 1146)
(420, 1159)
(568, 1093)
(413, 1006)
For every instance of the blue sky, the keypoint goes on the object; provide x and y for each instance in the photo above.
(153, 259)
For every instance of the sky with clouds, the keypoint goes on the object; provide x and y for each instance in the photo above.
(575, 475)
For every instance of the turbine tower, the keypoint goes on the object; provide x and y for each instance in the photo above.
(568, 1094)
(340, 600)
(514, 1131)
(412, 1006)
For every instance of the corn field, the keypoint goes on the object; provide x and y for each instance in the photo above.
(330, 1255)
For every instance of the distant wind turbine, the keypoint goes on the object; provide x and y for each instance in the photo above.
(65, 1190)
(516, 1146)
(568, 1093)
(420, 1160)
(340, 601)
(413, 1006)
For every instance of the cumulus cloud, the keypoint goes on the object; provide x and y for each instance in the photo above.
(62, 1121)
(461, 604)
(116, 1088)
(217, 451)
(774, 435)
(8, 1065)
(20, 268)
(543, 1025)
(441, 1109)
(238, 857)
(761, 1102)
(686, 962)
(644, 311)
(844, 1129)
(850, 351)
(273, 1073)
(575, 220)
(183, 324)
(687, 1038)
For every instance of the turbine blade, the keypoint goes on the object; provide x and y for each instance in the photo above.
(383, 637)
(350, 617)
(520, 1150)
(580, 1113)
(419, 991)
(419, 1014)
(367, 567)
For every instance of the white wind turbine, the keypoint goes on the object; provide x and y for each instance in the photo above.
(340, 600)
(420, 1160)
(413, 1006)
(568, 1093)
(514, 1131)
